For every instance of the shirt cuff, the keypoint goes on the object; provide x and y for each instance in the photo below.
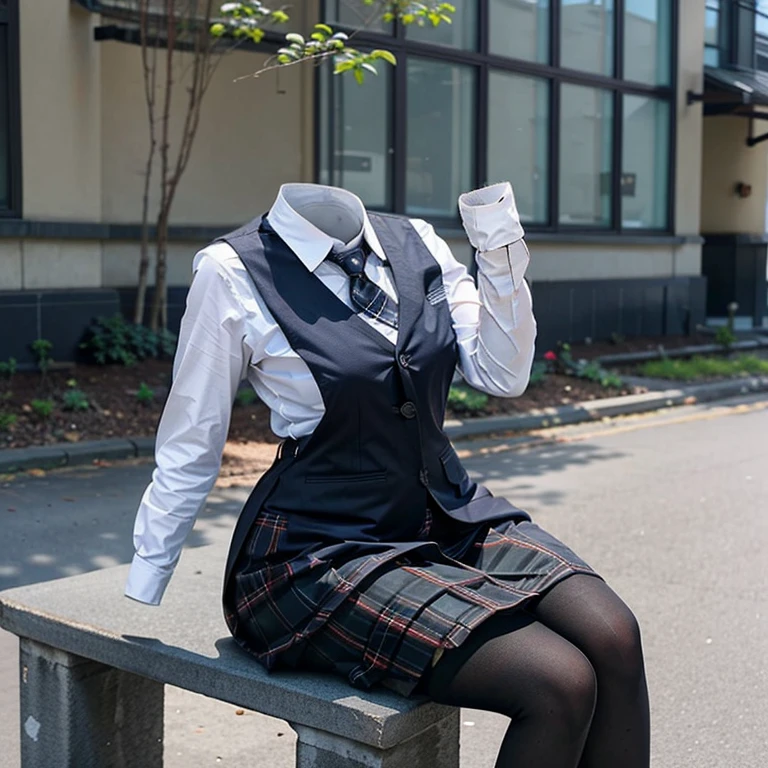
(490, 217)
(146, 583)
(511, 261)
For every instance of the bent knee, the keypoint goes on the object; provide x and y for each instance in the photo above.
(617, 647)
(566, 692)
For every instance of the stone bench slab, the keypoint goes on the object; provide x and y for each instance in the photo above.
(185, 642)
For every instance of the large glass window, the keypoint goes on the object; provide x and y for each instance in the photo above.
(461, 33)
(644, 163)
(587, 35)
(5, 176)
(10, 161)
(518, 140)
(538, 92)
(519, 30)
(440, 136)
(712, 33)
(586, 116)
(647, 46)
(357, 151)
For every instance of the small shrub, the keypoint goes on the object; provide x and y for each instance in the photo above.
(41, 348)
(115, 340)
(42, 408)
(145, 394)
(539, 372)
(7, 421)
(7, 370)
(725, 337)
(75, 400)
(246, 396)
(466, 400)
(562, 362)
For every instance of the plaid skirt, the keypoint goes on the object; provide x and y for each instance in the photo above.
(383, 618)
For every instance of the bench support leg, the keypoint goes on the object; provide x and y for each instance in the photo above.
(77, 713)
(436, 746)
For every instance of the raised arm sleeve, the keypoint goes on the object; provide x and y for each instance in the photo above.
(493, 318)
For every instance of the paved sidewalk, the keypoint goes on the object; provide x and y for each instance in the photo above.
(671, 509)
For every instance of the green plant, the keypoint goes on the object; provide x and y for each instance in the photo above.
(42, 408)
(7, 370)
(75, 400)
(246, 396)
(115, 340)
(725, 337)
(145, 394)
(562, 362)
(7, 421)
(463, 399)
(41, 348)
(539, 372)
(704, 367)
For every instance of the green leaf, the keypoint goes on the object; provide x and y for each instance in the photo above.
(324, 28)
(344, 66)
(388, 56)
(280, 17)
(217, 30)
(359, 76)
(257, 35)
(284, 59)
(290, 53)
(295, 37)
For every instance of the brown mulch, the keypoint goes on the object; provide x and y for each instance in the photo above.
(638, 344)
(116, 412)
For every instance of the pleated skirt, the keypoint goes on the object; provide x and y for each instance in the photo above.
(375, 620)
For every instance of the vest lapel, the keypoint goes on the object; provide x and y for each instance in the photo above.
(398, 243)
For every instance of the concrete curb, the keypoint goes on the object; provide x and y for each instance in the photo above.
(73, 454)
(701, 349)
(595, 410)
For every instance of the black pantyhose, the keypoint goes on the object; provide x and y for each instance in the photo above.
(569, 673)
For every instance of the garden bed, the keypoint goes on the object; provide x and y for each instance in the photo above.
(114, 409)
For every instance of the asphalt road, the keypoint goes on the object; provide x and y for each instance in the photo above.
(672, 509)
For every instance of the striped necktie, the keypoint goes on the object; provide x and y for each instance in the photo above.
(366, 296)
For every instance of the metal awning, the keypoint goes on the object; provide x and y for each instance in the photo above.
(738, 92)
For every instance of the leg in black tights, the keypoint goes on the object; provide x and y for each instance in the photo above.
(514, 665)
(585, 611)
(542, 669)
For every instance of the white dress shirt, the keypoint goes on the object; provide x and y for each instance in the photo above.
(227, 334)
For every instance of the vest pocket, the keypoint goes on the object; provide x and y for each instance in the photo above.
(361, 477)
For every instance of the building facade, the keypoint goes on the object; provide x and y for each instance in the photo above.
(584, 105)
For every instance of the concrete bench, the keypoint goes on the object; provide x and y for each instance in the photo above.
(93, 666)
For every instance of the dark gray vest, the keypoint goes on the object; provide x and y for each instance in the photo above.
(366, 473)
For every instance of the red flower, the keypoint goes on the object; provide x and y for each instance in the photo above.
(550, 356)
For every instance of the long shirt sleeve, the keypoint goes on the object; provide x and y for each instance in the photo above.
(493, 319)
(192, 432)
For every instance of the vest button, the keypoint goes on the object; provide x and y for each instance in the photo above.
(404, 360)
(408, 410)
(424, 477)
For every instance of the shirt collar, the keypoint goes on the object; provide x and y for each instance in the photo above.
(309, 243)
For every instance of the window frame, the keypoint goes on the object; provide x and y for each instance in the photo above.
(485, 62)
(9, 18)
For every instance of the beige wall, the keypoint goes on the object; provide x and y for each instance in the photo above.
(60, 111)
(248, 142)
(727, 160)
(689, 117)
